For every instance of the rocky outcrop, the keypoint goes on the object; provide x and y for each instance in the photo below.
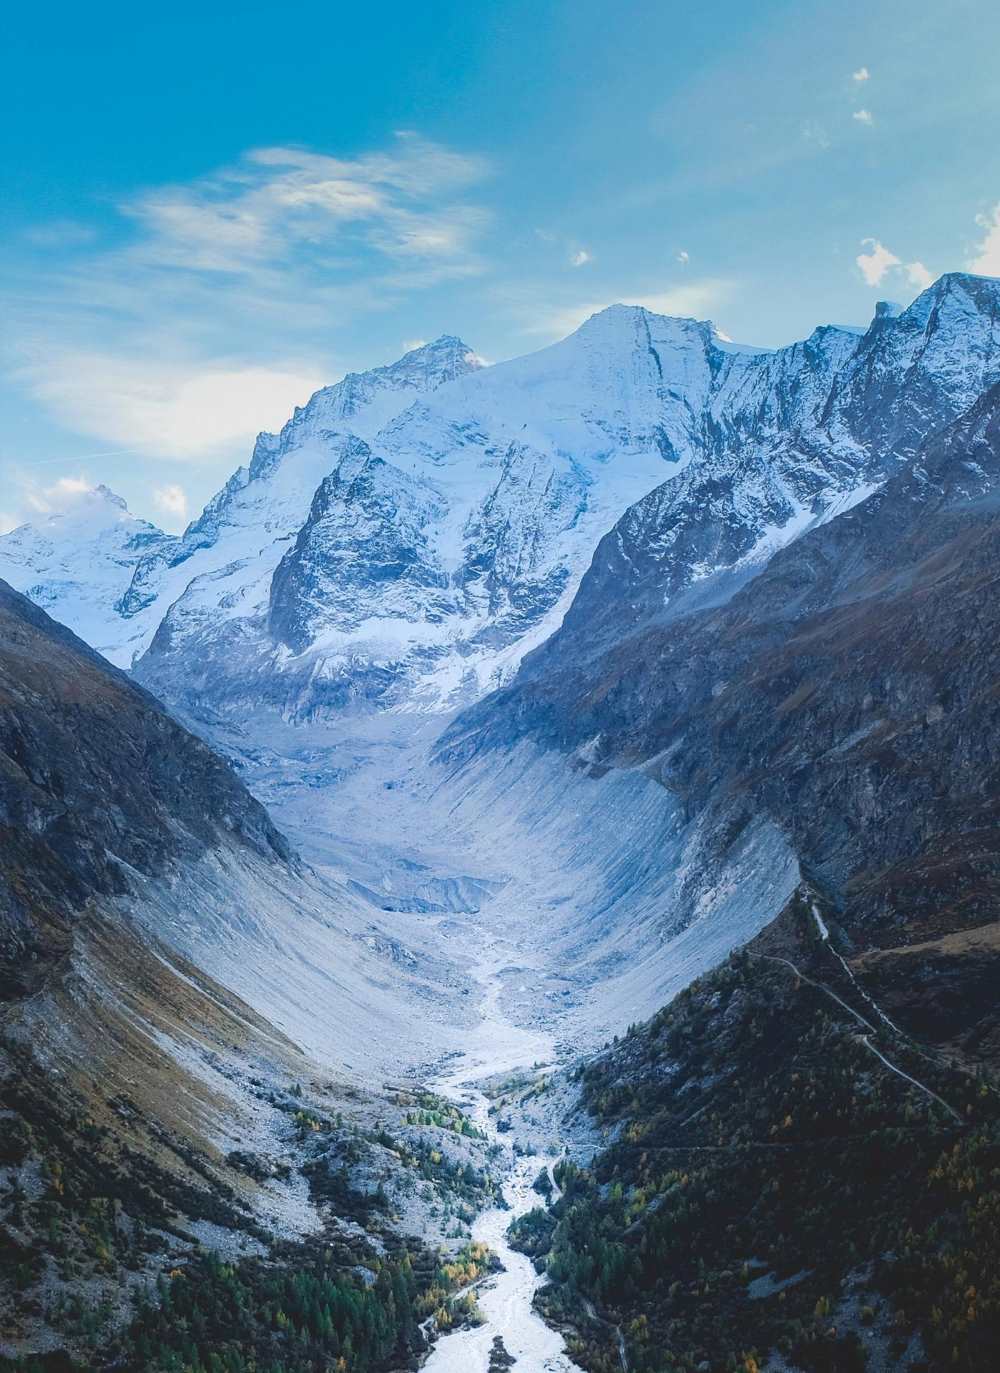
(363, 553)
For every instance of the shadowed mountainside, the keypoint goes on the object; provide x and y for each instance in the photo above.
(848, 692)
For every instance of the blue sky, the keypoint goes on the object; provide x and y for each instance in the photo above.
(209, 210)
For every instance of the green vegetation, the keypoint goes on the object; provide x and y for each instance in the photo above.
(772, 1185)
(303, 1314)
(429, 1109)
(94, 1217)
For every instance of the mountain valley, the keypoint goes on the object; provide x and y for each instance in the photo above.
(581, 771)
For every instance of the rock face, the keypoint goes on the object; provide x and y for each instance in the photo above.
(367, 532)
(845, 694)
(97, 783)
(799, 439)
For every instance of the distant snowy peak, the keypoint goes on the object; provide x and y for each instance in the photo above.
(78, 562)
(363, 402)
(442, 546)
(234, 546)
(414, 530)
(798, 437)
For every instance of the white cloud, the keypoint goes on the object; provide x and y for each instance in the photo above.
(181, 410)
(863, 116)
(223, 279)
(580, 258)
(876, 262)
(918, 275)
(986, 260)
(862, 74)
(59, 497)
(280, 198)
(683, 257)
(694, 299)
(8, 522)
(172, 500)
(409, 344)
(879, 262)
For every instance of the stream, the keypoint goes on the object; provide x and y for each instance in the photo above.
(497, 1046)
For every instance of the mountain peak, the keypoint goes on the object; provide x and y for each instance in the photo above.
(983, 292)
(90, 506)
(627, 322)
(618, 315)
(445, 343)
(442, 359)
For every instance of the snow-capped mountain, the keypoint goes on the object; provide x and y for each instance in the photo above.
(414, 531)
(111, 576)
(792, 439)
(79, 563)
(442, 547)
(221, 567)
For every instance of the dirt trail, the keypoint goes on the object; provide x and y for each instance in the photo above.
(870, 1029)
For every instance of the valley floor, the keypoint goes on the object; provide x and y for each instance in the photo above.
(583, 879)
(388, 826)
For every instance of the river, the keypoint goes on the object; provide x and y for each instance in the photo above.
(497, 1046)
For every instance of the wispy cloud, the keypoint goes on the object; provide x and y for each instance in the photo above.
(180, 409)
(683, 257)
(58, 497)
(281, 198)
(580, 258)
(863, 116)
(986, 257)
(61, 233)
(862, 74)
(171, 500)
(216, 304)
